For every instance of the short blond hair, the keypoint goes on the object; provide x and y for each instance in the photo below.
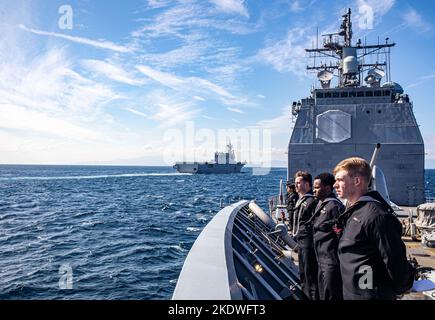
(355, 167)
(306, 176)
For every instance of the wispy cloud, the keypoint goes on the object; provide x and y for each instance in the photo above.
(295, 6)
(186, 84)
(137, 112)
(235, 110)
(279, 124)
(232, 6)
(155, 4)
(111, 71)
(169, 110)
(164, 78)
(192, 18)
(421, 80)
(97, 44)
(20, 118)
(411, 19)
(414, 20)
(288, 54)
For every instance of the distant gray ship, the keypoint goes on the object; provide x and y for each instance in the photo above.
(224, 162)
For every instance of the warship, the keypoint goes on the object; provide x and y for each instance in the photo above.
(224, 162)
(245, 253)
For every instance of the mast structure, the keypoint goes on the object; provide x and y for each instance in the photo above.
(339, 58)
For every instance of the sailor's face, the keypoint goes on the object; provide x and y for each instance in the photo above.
(301, 185)
(320, 191)
(343, 184)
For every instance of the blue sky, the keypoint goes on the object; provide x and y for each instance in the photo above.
(151, 82)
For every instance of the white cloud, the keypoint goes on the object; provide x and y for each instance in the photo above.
(111, 71)
(169, 109)
(288, 54)
(278, 125)
(155, 4)
(295, 6)
(187, 84)
(164, 78)
(189, 53)
(380, 8)
(137, 112)
(97, 44)
(414, 20)
(19, 118)
(235, 110)
(421, 80)
(261, 96)
(232, 6)
(184, 20)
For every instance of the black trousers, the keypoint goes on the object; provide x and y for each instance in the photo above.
(308, 272)
(290, 218)
(330, 284)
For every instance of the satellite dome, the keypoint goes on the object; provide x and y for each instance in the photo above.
(350, 65)
(397, 88)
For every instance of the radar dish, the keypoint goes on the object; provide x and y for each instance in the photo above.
(378, 73)
(370, 79)
(374, 76)
(325, 75)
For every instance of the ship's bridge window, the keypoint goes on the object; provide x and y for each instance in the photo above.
(319, 94)
(369, 93)
(344, 94)
(333, 126)
(335, 94)
(327, 94)
(378, 93)
(352, 94)
(387, 93)
(360, 94)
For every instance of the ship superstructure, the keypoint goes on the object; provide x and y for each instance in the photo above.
(224, 162)
(363, 109)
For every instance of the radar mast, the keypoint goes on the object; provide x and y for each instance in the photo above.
(350, 64)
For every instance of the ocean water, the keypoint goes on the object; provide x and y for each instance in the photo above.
(107, 232)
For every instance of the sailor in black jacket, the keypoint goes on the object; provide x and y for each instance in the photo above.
(325, 239)
(372, 254)
(303, 232)
(290, 201)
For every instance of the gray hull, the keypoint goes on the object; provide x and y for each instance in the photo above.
(221, 265)
(362, 123)
(205, 168)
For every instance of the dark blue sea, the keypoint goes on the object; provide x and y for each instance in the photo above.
(108, 232)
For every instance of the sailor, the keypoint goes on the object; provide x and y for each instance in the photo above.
(372, 254)
(303, 232)
(290, 200)
(325, 239)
